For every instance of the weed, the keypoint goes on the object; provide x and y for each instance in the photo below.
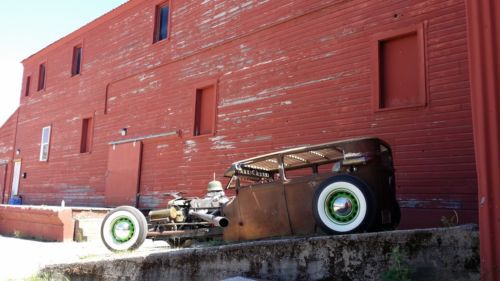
(18, 234)
(214, 242)
(91, 256)
(451, 221)
(397, 271)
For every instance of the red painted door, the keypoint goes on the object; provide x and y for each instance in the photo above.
(3, 175)
(205, 111)
(122, 179)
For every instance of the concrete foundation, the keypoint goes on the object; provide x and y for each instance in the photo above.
(428, 254)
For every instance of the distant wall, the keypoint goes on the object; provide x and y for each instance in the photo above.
(43, 223)
(430, 254)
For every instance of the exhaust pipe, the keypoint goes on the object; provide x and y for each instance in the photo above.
(216, 220)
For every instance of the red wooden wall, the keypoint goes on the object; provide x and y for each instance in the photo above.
(7, 153)
(287, 73)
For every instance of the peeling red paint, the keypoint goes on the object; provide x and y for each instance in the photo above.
(289, 73)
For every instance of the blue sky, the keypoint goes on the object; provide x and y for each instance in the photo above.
(27, 27)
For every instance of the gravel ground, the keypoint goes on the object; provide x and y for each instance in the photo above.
(21, 259)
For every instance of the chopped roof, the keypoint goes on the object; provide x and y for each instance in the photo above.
(309, 155)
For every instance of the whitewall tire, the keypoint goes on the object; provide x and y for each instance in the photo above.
(344, 204)
(123, 229)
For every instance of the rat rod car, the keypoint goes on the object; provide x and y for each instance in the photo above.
(335, 188)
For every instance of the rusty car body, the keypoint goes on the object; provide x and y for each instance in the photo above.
(335, 188)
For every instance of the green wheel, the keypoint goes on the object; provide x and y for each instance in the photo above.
(123, 229)
(344, 204)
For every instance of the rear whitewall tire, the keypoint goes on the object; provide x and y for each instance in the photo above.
(358, 216)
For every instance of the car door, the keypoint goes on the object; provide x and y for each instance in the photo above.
(299, 193)
(262, 211)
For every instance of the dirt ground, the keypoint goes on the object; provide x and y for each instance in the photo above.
(21, 259)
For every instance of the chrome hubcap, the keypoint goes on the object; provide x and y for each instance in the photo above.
(342, 206)
(123, 230)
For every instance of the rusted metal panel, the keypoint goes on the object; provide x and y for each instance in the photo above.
(299, 197)
(484, 50)
(122, 181)
(263, 212)
(231, 210)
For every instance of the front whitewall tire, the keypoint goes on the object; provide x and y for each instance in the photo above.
(133, 235)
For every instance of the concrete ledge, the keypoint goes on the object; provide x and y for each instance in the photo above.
(430, 254)
(88, 223)
(39, 222)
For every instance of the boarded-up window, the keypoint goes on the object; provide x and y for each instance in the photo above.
(86, 140)
(204, 120)
(44, 144)
(400, 70)
(162, 20)
(41, 77)
(27, 86)
(77, 61)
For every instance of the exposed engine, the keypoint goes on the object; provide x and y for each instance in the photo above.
(190, 217)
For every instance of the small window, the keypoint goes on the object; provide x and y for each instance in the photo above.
(400, 70)
(27, 86)
(77, 61)
(204, 121)
(299, 173)
(86, 140)
(41, 77)
(44, 144)
(162, 18)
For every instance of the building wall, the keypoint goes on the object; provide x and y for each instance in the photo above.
(7, 139)
(287, 73)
